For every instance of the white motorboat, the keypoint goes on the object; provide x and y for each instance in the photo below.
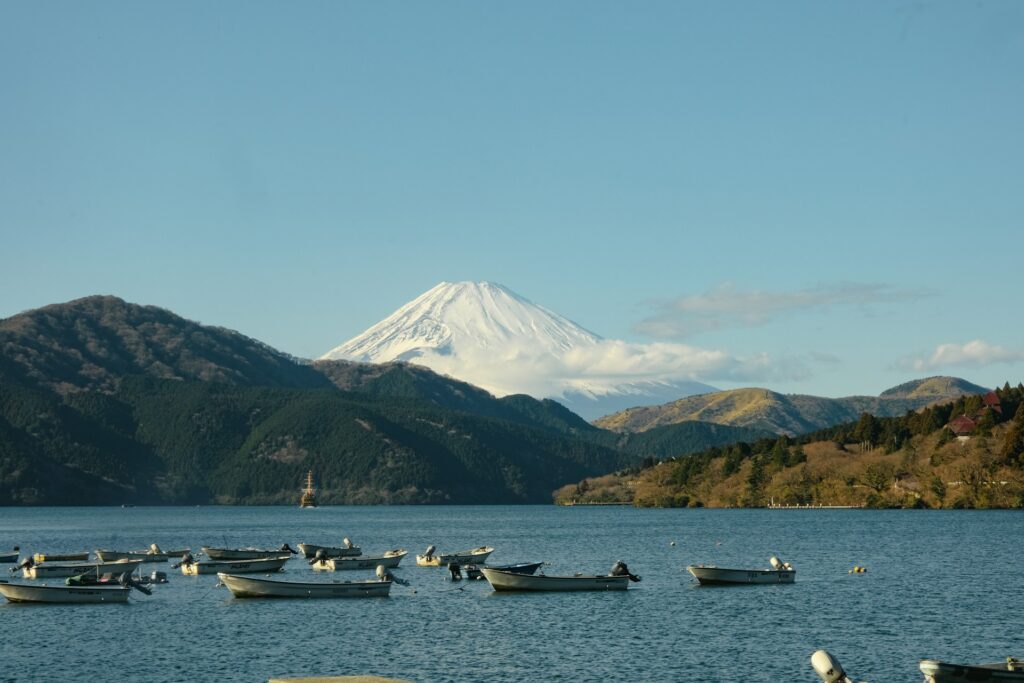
(19, 592)
(247, 587)
(346, 549)
(62, 570)
(245, 553)
(154, 554)
(504, 580)
(942, 672)
(720, 576)
(256, 566)
(388, 560)
(474, 556)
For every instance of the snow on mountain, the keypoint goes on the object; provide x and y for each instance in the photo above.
(485, 334)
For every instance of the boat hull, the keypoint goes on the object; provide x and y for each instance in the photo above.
(8, 558)
(309, 550)
(473, 571)
(719, 576)
(257, 566)
(388, 561)
(240, 553)
(941, 672)
(63, 570)
(501, 580)
(247, 587)
(16, 592)
(39, 558)
(475, 556)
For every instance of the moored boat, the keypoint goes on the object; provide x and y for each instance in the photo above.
(474, 556)
(346, 549)
(245, 553)
(248, 587)
(19, 592)
(722, 576)
(503, 580)
(9, 556)
(473, 571)
(254, 566)
(154, 554)
(943, 672)
(388, 560)
(39, 558)
(62, 570)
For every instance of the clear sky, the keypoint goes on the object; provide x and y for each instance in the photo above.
(836, 188)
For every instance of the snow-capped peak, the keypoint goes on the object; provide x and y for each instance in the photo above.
(455, 317)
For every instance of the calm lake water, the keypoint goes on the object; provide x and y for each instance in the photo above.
(940, 584)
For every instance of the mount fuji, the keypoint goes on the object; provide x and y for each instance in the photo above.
(487, 335)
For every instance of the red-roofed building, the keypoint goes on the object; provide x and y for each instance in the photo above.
(962, 426)
(991, 400)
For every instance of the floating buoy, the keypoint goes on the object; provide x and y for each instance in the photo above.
(672, 543)
(857, 569)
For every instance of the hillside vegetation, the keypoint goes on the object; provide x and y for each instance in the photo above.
(790, 414)
(103, 401)
(910, 461)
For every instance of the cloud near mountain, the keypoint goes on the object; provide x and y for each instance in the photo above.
(974, 353)
(727, 306)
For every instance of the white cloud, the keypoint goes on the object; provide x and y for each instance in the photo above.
(605, 367)
(972, 354)
(726, 306)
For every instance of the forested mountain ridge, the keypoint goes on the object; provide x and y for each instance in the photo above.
(789, 414)
(964, 453)
(103, 401)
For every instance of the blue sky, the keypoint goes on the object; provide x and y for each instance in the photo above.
(833, 187)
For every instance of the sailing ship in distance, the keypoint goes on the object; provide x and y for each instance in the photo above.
(308, 499)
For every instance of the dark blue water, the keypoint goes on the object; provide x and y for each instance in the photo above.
(940, 584)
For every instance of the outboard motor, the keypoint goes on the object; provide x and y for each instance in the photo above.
(155, 549)
(127, 580)
(287, 549)
(456, 571)
(620, 569)
(828, 667)
(345, 543)
(385, 574)
(186, 560)
(27, 563)
(430, 552)
(319, 557)
(776, 563)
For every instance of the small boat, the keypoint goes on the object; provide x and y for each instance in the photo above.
(388, 560)
(19, 592)
(247, 587)
(39, 558)
(346, 549)
(474, 556)
(473, 572)
(154, 554)
(308, 499)
(503, 580)
(942, 672)
(62, 570)
(255, 566)
(720, 576)
(245, 553)
(7, 557)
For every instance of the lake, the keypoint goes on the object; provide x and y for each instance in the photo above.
(940, 584)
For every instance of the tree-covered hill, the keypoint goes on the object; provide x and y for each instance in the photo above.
(789, 414)
(915, 460)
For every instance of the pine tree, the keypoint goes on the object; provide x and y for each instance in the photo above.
(1013, 444)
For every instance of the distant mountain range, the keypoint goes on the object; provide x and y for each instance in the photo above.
(486, 334)
(787, 413)
(103, 401)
